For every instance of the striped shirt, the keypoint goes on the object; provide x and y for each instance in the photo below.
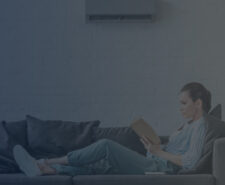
(187, 142)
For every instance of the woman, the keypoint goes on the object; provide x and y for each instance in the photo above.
(107, 157)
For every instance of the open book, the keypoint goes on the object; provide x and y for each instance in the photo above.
(141, 128)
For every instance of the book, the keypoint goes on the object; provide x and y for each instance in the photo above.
(142, 128)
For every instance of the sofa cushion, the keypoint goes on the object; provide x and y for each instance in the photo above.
(123, 135)
(53, 138)
(8, 165)
(21, 179)
(145, 180)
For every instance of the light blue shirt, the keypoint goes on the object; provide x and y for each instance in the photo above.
(188, 142)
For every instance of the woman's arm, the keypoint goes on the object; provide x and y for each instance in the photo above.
(157, 151)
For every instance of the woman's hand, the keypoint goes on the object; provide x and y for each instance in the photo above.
(156, 150)
(149, 146)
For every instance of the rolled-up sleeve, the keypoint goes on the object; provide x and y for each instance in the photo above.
(194, 152)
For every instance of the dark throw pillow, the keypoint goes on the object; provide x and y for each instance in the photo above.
(217, 111)
(215, 128)
(7, 163)
(123, 135)
(4, 141)
(55, 138)
(17, 131)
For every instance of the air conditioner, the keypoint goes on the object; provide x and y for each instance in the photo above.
(120, 10)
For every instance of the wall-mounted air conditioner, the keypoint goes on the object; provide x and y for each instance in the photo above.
(120, 10)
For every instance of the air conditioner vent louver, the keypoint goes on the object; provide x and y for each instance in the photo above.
(120, 10)
(119, 17)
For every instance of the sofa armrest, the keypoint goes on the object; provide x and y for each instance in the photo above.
(219, 161)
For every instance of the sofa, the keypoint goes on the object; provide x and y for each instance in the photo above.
(53, 138)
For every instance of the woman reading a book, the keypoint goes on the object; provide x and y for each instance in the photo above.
(183, 150)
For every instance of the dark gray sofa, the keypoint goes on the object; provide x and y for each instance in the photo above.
(126, 137)
(20, 179)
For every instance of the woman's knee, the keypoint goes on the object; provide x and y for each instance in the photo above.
(105, 142)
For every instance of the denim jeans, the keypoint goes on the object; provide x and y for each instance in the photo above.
(108, 157)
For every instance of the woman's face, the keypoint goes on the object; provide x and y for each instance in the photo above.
(188, 108)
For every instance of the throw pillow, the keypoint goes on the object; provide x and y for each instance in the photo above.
(215, 129)
(56, 138)
(123, 135)
(7, 163)
(17, 131)
(4, 141)
(217, 111)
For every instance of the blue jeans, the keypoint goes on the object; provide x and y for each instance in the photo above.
(108, 157)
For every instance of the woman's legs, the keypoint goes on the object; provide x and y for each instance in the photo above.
(107, 156)
(61, 160)
(103, 156)
(120, 159)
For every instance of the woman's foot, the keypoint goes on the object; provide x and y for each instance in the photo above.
(26, 162)
(29, 165)
(45, 168)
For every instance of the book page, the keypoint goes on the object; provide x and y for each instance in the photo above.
(141, 128)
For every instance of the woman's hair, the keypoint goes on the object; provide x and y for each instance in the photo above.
(198, 91)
